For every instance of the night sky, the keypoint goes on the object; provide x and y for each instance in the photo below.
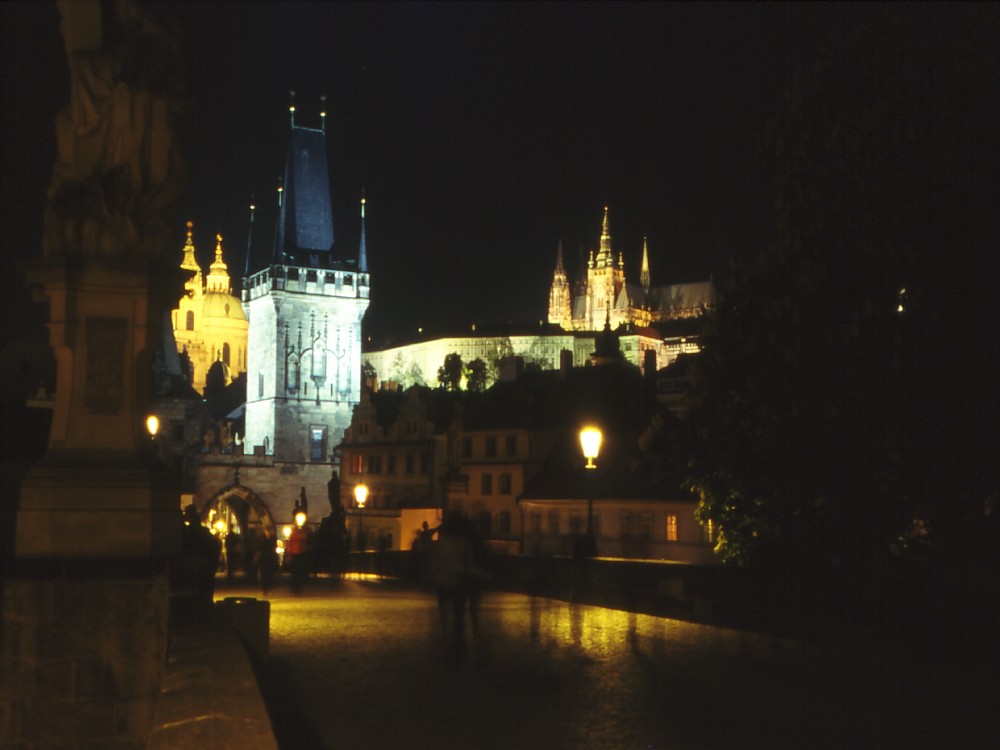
(482, 134)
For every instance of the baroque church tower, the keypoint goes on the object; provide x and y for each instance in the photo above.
(209, 323)
(305, 311)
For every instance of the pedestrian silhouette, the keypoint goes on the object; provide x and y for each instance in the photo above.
(201, 552)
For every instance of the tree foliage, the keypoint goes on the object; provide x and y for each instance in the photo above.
(477, 375)
(450, 373)
(842, 391)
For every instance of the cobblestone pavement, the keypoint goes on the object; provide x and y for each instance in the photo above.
(365, 664)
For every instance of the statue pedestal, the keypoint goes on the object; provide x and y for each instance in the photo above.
(84, 614)
(99, 491)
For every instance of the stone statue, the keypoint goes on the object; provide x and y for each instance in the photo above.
(119, 167)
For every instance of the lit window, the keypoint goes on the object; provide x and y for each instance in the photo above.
(357, 462)
(671, 527)
(317, 438)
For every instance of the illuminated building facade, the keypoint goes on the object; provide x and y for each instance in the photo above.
(541, 347)
(209, 323)
(602, 294)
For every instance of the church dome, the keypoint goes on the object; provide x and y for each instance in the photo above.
(219, 305)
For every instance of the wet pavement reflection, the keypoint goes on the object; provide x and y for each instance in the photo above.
(368, 665)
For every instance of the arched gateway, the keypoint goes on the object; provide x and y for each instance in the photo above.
(242, 505)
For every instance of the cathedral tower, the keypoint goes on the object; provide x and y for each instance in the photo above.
(305, 311)
(560, 311)
(605, 282)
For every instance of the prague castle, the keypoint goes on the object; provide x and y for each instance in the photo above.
(602, 294)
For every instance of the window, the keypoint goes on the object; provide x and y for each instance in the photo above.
(409, 463)
(189, 320)
(503, 522)
(425, 464)
(317, 437)
(363, 428)
(671, 527)
(624, 524)
(512, 445)
(225, 354)
(390, 463)
(375, 464)
(466, 447)
(553, 520)
(645, 525)
(576, 524)
(260, 385)
(357, 461)
(536, 523)
(487, 484)
(491, 447)
(503, 483)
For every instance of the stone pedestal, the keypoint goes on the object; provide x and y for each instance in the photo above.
(99, 492)
(84, 609)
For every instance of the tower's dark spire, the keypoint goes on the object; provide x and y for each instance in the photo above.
(247, 264)
(362, 252)
(305, 215)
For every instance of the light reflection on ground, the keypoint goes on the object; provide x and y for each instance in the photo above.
(369, 668)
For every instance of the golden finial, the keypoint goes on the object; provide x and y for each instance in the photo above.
(218, 246)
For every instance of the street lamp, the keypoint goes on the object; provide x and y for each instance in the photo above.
(590, 442)
(152, 425)
(361, 497)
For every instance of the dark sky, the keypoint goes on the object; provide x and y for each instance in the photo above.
(482, 134)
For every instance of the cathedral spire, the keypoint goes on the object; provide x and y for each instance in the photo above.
(604, 256)
(644, 273)
(362, 251)
(560, 270)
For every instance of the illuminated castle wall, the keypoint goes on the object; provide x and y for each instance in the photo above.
(209, 323)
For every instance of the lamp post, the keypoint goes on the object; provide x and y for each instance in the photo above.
(361, 497)
(590, 442)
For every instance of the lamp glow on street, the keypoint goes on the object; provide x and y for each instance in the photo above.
(590, 441)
